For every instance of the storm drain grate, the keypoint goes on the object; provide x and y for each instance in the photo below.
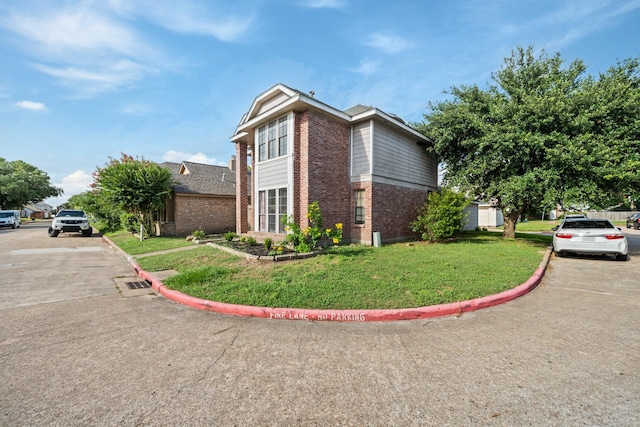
(138, 285)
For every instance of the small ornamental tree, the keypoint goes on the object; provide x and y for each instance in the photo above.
(137, 186)
(442, 215)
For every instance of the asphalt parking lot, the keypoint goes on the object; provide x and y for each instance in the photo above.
(76, 351)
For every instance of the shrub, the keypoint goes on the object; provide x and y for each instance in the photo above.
(306, 239)
(268, 242)
(251, 241)
(198, 234)
(441, 216)
(229, 236)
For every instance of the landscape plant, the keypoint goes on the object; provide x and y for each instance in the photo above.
(306, 239)
(198, 234)
(442, 216)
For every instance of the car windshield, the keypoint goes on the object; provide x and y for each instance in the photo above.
(588, 224)
(71, 213)
(6, 214)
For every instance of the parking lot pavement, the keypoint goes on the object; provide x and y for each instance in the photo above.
(566, 354)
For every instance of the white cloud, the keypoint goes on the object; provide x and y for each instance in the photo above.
(92, 51)
(331, 4)
(388, 43)
(366, 68)
(31, 105)
(179, 156)
(189, 17)
(75, 183)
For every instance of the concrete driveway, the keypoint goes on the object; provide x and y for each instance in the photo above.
(74, 351)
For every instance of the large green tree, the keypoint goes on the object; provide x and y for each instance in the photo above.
(534, 136)
(136, 186)
(22, 183)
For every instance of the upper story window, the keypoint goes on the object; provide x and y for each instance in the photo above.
(272, 139)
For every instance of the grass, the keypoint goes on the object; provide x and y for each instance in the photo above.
(360, 277)
(132, 245)
(541, 226)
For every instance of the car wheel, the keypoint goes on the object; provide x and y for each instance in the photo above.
(13, 226)
(53, 233)
(87, 233)
(561, 254)
(621, 257)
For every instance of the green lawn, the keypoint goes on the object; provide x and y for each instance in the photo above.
(359, 277)
(132, 245)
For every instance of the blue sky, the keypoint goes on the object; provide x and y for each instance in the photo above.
(82, 81)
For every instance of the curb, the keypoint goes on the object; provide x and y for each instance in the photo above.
(451, 309)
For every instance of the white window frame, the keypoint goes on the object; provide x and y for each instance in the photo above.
(270, 137)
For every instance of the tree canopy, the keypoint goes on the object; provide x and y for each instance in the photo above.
(136, 186)
(22, 183)
(540, 135)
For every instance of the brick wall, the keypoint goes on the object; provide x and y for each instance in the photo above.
(321, 171)
(242, 195)
(361, 233)
(394, 208)
(213, 214)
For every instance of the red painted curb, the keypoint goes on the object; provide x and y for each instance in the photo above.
(456, 308)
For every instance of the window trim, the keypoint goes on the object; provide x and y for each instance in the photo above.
(272, 206)
(273, 138)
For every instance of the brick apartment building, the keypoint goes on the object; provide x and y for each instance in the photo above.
(367, 169)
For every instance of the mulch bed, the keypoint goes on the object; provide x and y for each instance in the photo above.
(257, 250)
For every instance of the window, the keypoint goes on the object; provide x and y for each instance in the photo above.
(282, 205)
(273, 148)
(262, 209)
(272, 206)
(273, 140)
(282, 136)
(271, 209)
(359, 203)
(262, 139)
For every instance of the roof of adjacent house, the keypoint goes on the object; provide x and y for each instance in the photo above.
(199, 178)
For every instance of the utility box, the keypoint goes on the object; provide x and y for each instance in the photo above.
(376, 239)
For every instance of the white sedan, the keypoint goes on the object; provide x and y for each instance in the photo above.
(590, 237)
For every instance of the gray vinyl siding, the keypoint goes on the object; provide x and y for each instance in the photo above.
(362, 153)
(272, 103)
(397, 156)
(272, 173)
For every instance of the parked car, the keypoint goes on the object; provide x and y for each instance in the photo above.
(574, 216)
(634, 221)
(70, 221)
(10, 218)
(590, 237)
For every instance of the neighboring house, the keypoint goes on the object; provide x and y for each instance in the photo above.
(39, 210)
(367, 169)
(203, 198)
(483, 215)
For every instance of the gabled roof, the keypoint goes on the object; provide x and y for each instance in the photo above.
(280, 98)
(199, 178)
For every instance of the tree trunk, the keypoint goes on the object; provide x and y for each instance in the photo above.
(510, 219)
